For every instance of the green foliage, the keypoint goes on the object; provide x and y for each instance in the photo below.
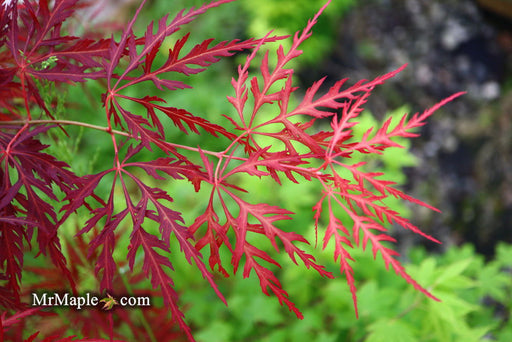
(476, 301)
(288, 16)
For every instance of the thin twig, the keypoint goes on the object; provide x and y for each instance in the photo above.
(65, 122)
(107, 130)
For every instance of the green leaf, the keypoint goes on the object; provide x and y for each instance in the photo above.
(217, 331)
(376, 302)
(446, 321)
(504, 254)
(449, 272)
(494, 282)
(386, 330)
(425, 272)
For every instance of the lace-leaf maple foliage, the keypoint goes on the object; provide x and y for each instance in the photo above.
(34, 47)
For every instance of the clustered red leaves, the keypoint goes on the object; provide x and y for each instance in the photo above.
(32, 33)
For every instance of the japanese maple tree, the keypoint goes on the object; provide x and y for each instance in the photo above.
(39, 193)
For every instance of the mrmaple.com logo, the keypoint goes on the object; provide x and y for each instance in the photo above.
(87, 300)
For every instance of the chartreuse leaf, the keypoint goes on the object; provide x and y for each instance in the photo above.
(492, 281)
(386, 330)
(446, 320)
(425, 271)
(253, 309)
(308, 329)
(451, 276)
(504, 254)
(218, 331)
(375, 301)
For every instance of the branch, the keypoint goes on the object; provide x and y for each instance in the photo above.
(108, 130)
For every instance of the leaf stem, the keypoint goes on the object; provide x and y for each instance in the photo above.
(219, 155)
(65, 122)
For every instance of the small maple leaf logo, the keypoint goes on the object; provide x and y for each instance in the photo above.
(109, 302)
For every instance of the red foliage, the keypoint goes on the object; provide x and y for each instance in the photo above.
(32, 34)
